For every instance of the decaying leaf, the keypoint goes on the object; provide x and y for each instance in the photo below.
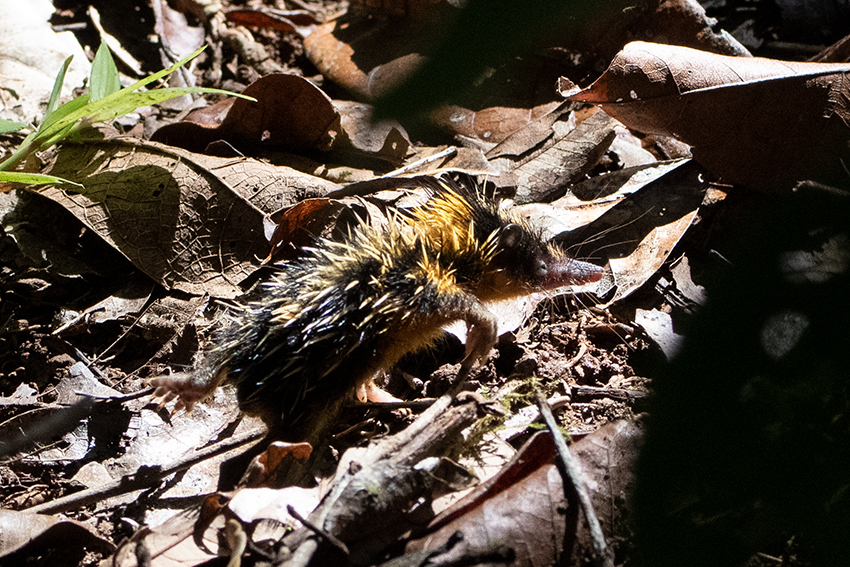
(588, 200)
(545, 173)
(174, 220)
(127, 301)
(493, 124)
(177, 38)
(609, 458)
(659, 326)
(759, 122)
(527, 508)
(385, 139)
(300, 21)
(638, 233)
(373, 49)
(268, 187)
(42, 532)
(344, 49)
(298, 226)
(290, 112)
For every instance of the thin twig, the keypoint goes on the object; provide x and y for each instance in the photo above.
(450, 151)
(120, 398)
(317, 530)
(144, 478)
(572, 474)
(613, 393)
(421, 403)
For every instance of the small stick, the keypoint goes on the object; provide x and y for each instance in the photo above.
(614, 393)
(120, 398)
(144, 478)
(318, 531)
(450, 151)
(421, 403)
(572, 473)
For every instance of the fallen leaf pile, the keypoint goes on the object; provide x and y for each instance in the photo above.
(758, 122)
(184, 210)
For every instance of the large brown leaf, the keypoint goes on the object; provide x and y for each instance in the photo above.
(290, 112)
(525, 507)
(759, 122)
(175, 221)
(478, 67)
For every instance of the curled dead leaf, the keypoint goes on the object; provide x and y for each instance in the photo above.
(493, 124)
(290, 113)
(385, 139)
(298, 225)
(758, 122)
(527, 506)
(639, 232)
(300, 21)
(367, 56)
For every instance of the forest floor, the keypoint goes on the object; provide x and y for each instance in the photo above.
(105, 290)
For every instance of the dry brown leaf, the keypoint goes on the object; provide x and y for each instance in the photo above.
(588, 200)
(544, 175)
(525, 507)
(608, 457)
(173, 219)
(370, 54)
(293, 114)
(300, 21)
(177, 38)
(299, 225)
(345, 51)
(385, 139)
(533, 130)
(171, 545)
(494, 124)
(367, 56)
(41, 532)
(129, 300)
(759, 122)
(290, 112)
(638, 233)
(268, 187)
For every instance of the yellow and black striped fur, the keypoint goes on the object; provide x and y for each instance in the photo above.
(328, 323)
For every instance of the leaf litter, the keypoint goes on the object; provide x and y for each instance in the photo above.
(589, 352)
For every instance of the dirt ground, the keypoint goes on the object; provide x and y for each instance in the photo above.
(75, 311)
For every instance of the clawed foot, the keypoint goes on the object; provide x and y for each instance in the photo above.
(185, 387)
(368, 391)
(480, 340)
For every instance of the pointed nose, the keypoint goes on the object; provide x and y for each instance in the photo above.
(571, 272)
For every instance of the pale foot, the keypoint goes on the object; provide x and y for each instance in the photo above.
(368, 391)
(187, 388)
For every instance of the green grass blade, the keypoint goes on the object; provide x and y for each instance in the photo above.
(34, 179)
(73, 116)
(53, 103)
(101, 107)
(160, 74)
(7, 126)
(70, 107)
(129, 102)
(20, 153)
(104, 74)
